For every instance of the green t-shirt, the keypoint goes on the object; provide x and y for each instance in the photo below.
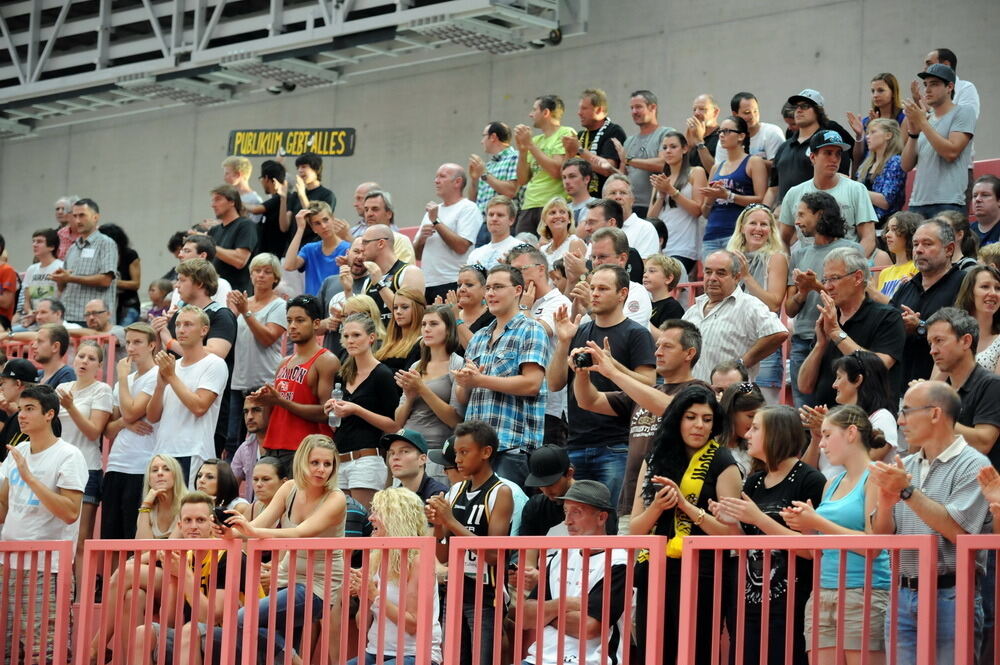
(542, 186)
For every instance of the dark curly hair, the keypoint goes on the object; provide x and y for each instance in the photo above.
(666, 451)
(831, 222)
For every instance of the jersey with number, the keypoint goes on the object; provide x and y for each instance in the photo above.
(473, 507)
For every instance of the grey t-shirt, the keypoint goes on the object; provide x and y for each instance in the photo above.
(422, 417)
(855, 204)
(643, 146)
(811, 257)
(938, 180)
(255, 364)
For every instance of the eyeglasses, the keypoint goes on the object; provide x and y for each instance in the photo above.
(527, 265)
(803, 106)
(726, 130)
(96, 312)
(756, 206)
(497, 287)
(365, 242)
(835, 278)
(522, 246)
(907, 410)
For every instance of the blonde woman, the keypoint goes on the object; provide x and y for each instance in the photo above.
(370, 394)
(402, 339)
(396, 513)
(882, 172)
(162, 488)
(361, 304)
(757, 242)
(557, 230)
(310, 506)
(87, 406)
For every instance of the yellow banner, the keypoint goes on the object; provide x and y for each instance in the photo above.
(338, 142)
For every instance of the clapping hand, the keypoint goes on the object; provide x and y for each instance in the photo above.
(800, 516)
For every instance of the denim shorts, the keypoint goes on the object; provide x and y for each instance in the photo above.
(92, 492)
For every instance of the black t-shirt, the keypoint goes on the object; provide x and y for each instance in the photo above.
(377, 393)
(221, 325)
(126, 297)
(634, 266)
(665, 309)
(980, 396)
(722, 460)
(11, 434)
(876, 327)
(632, 346)
(320, 193)
(711, 142)
(272, 239)
(542, 513)
(604, 148)
(916, 359)
(403, 362)
(241, 233)
(793, 166)
(803, 483)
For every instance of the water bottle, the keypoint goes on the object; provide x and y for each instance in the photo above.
(338, 394)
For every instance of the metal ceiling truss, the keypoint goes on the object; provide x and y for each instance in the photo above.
(68, 61)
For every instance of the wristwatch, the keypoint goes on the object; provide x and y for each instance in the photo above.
(906, 492)
(435, 222)
(700, 146)
(386, 279)
(483, 177)
(841, 336)
(523, 308)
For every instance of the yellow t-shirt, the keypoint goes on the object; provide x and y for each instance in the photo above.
(542, 186)
(891, 277)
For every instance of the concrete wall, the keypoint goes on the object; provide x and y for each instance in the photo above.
(151, 172)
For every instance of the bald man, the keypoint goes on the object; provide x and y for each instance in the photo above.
(447, 231)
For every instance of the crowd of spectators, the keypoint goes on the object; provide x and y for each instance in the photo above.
(534, 363)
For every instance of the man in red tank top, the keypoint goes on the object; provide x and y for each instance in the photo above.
(301, 385)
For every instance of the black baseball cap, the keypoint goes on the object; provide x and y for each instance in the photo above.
(547, 465)
(826, 137)
(446, 455)
(591, 493)
(20, 369)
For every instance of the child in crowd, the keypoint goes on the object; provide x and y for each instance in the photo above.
(159, 296)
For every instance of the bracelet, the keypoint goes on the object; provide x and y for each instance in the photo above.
(459, 322)
(913, 136)
(731, 197)
(145, 510)
(700, 518)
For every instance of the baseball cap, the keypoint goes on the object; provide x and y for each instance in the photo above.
(446, 455)
(939, 71)
(826, 137)
(20, 369)
(546, 465)
(412, 437)
(808, 95)
(591, 493)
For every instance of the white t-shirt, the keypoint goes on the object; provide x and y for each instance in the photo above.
(544, 310)
(95, 397)
(880, 420)
(596, 571)
(131, 452)
(37, 283)
(60, 466)
(490, 254)
(440, 264)
(187, 435)
(642, 236)
(764, 144)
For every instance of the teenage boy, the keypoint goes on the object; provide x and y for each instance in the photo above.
(318, 259)
(36, 283)
(501, 214)
(308, 188)
(17, 375)
(180, 576)
(188, 394)
(133, 437)
(407, 460)
(302, 384)
(41, 495)
(480, 505)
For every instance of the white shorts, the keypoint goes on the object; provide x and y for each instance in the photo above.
(365, 473)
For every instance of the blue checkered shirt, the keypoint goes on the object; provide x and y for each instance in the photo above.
(96, 255)
(502, 166)
(519, 421)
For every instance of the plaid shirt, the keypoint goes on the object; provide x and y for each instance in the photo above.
(502, 166)
(96, 255)
(519, 421)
